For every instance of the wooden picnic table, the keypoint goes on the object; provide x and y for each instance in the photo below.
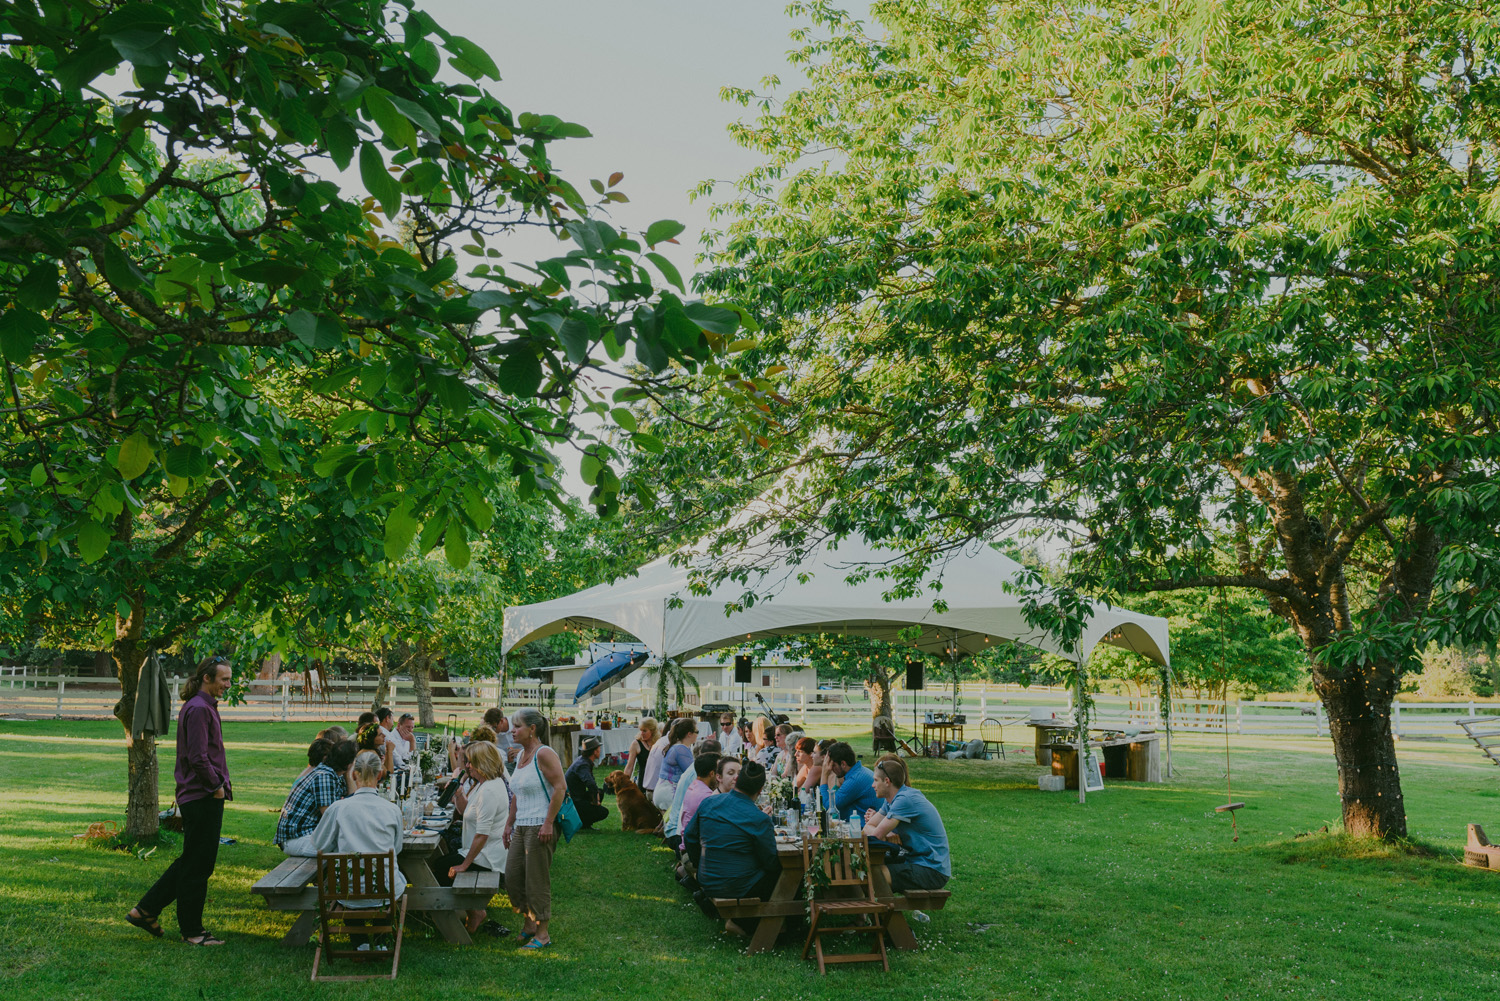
(290, 887)
(783, 902)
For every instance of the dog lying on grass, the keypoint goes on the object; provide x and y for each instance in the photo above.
(636, 811)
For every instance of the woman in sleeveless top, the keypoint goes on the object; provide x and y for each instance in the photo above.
(640, 750)
(537, 787)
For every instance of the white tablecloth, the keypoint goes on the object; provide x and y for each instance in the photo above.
(615, 741)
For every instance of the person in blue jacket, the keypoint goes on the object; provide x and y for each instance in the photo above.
(733, 844)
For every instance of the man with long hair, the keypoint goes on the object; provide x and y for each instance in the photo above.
(202, 789)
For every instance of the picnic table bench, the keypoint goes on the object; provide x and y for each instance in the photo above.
(783, 902)
(290, 887)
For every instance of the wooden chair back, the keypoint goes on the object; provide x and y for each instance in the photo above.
(845, 862)
(357, 896)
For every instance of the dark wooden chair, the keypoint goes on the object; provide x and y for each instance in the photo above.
(846, 865)
(346, 879)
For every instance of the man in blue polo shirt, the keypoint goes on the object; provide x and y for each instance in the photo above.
(733, 843)
(854, 790)
(907, 818)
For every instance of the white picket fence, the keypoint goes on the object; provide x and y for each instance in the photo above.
(41, 693)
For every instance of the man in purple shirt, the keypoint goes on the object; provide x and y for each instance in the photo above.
(202, 787)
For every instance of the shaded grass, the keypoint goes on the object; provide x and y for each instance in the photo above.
(1139, 894)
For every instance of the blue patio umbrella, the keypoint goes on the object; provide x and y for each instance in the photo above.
(608, 671)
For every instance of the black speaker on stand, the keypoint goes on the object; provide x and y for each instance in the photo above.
(742, 668)
(914, 685)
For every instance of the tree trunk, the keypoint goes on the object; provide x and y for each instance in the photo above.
(878, 688)
(142, 803)
(1359, 720)
(421, 682)
(383, 686)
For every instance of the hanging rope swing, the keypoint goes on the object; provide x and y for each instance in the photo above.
(1230, 805)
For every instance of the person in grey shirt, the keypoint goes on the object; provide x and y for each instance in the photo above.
(363, 821)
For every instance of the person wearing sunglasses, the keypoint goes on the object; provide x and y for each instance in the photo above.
(907, 818)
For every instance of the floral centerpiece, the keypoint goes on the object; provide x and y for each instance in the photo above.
(781, 793)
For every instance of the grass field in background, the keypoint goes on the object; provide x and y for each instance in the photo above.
(1139, 894)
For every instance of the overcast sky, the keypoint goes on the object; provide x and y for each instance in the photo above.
(644, 77)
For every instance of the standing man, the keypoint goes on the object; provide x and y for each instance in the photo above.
(202, 789)
(730, 741)
(582, 787)
(496, 720)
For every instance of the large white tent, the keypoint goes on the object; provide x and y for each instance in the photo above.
(815, 594)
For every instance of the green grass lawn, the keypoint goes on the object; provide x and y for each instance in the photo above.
(1139, 894)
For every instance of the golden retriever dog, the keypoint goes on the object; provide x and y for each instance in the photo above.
(636, 811)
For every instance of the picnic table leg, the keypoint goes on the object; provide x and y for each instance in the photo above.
(302, 929)
(766, 932)
(898, 929)
(447, 922)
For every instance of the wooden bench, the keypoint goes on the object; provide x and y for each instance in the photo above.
(754, 907)
(289, 887)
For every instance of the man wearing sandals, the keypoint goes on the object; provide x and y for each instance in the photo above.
(202, 789)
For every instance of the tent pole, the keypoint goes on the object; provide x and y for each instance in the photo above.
(1083, 736)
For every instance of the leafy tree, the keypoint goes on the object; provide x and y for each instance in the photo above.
(1146, 276)
(222, 374)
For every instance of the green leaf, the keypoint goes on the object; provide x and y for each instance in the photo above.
(663, 230)
(479, 510)
(339, 136)
(471, 54)
(400, 529)
(668, 270)
(426, 56)
(624, 418)
(271, 273)
(396, 127)
(38, 290)
(19, 330)
(120, 270)
(649, 442)
(186, 461)
(520, 374)
(135, 456)
(575, 337)
(588, 469)
(38, 475)
(93, 541)
(418, 115)
(378, 181)
(456, 545)
(712, 318)
(431, 533)
(318, 332)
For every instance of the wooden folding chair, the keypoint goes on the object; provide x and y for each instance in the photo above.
(346, 879)
(839, 865)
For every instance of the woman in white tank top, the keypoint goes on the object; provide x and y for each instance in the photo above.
(537, 788)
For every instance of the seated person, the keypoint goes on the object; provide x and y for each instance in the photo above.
(729, 735)
(483, 841)
(363, 821)
(727, 774)
(371, 737)
(853, 785)
(732, 843)
(323, 785)
(908, 819)
(704, 785)
(671, 826)
(587, 798)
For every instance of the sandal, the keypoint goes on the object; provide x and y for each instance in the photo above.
(202, 939)
(144, 922)
(534, 944)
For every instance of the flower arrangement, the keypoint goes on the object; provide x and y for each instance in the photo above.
(824, 855)
(781, 793)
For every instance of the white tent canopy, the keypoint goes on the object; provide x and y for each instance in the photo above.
(814, 595)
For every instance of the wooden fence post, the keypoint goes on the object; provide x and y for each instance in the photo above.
(1319, 718)
(62, 683)
(1239, 720)
(1396, 717)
